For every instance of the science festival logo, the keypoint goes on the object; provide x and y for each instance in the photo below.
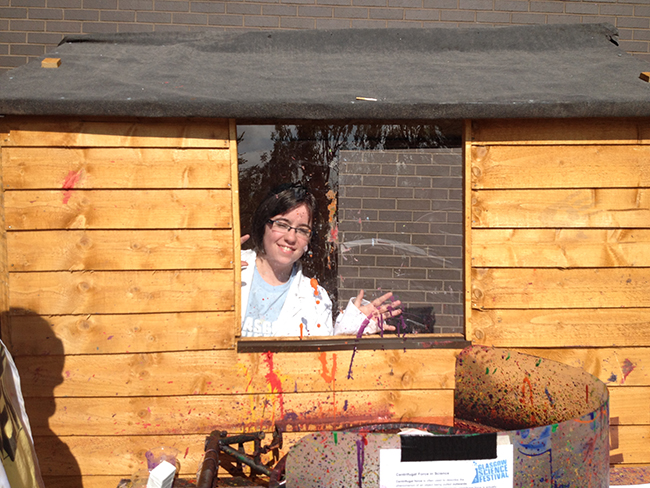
(494, 470)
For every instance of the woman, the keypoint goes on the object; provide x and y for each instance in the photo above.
(277, 298)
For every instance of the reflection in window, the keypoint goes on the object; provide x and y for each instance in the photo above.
(390, 210)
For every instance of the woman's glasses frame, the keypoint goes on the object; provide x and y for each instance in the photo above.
(282, 227)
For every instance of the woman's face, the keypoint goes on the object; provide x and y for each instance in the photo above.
(285, 248)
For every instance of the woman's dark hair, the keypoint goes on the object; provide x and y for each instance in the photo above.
(280, 200)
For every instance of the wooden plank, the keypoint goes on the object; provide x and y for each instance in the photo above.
(198, 414)
(79, 250)
(26, 168)
(561, 131)
(629, 406)
(122, 460)
(236, 227)
(468, 235)
(227, 372)
(549, 288)
(119, 456)
(517, 167)
(35, 335)
(561, 328)
(124, 456)
(5, 330)
(612, 365)
(565, 248)
(79, 133)
(108, 292)
(117, 209)
(561, 208)
(632, 444)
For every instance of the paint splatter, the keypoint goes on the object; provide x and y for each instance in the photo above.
(68, 184)
(329, 378)
(274, 381)
(363, 326)
(548, 395)
(627, 368)
(361, 454)
(523, 391)
(314, 284)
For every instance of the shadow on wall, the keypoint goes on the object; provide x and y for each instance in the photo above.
(39, 376)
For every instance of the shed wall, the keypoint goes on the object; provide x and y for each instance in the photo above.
(122, 306)
(558, 235)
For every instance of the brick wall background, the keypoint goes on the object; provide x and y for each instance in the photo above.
(401, 230)
(29, 28)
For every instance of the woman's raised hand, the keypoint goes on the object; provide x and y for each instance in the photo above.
(243, 239)
(379, 309)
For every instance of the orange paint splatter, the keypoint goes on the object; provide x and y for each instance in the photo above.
(301, 327)
(314, 285)
(331, 207)
(523, 391)
(329, 378)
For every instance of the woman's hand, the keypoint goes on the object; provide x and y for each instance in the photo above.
(378, 310)
(243, 239)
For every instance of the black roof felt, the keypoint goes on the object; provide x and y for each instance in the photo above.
(438, 73)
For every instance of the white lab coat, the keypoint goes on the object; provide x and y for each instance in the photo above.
(307, 306)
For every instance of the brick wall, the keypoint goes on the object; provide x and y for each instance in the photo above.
(401, 229)
(29, 28)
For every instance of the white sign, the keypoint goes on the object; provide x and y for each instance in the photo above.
(482, 473)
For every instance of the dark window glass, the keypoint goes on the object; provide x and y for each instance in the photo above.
(390, 210)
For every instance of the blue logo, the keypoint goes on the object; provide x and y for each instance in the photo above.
(494, 470)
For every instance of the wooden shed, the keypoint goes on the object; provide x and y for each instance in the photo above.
(120, 245)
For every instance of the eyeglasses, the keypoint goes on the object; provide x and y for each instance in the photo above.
(283, 227)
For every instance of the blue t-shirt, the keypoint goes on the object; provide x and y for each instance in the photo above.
(265, 303)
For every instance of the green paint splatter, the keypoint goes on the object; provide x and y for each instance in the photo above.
(553, 427)
(336, 438)
(487, 370)
(508, 356)
(539, 361)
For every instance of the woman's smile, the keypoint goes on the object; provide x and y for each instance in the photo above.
(283, 244)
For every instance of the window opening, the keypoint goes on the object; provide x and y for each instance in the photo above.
(389, 210)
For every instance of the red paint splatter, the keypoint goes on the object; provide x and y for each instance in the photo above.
(627, 368)
(68, 184)
(274, 381)
(314, 285)
(301, 327)
(186, 451)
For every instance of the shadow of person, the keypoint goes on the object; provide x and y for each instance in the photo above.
(39, 357)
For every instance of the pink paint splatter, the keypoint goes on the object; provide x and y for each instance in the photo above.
(334, 234)
(274, 381)
(68, 184)
(627, 368)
